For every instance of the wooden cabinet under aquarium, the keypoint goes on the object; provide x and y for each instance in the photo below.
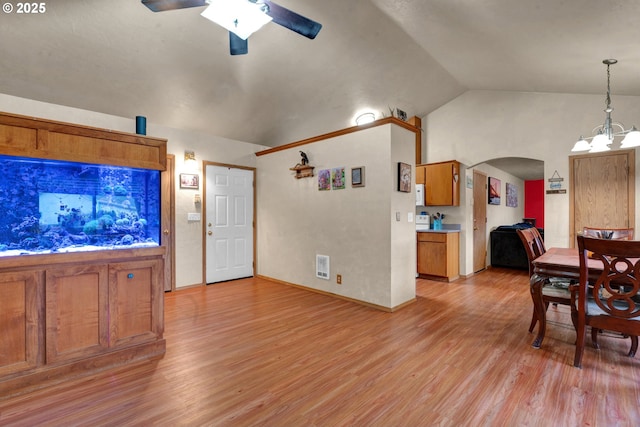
(81, 265)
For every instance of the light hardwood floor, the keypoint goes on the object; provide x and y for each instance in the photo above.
(252, 352)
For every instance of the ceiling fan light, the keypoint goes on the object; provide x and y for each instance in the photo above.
(241, 17)
(632, 139)
(581, 145)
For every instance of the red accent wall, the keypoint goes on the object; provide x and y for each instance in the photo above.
(534, 201)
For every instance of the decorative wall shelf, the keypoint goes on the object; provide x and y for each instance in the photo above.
(303, 171)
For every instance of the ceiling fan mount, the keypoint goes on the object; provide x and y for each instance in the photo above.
(238, 44)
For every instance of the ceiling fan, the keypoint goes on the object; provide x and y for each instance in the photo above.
(241, 27)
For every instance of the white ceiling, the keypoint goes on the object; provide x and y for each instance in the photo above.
(119, 58)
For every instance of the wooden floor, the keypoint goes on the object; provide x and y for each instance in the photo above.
(256, 353)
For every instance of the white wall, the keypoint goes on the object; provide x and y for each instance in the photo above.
(355, 227)
(483, 125)
(188, 236)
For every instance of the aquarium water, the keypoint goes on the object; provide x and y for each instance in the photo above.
(49, 206)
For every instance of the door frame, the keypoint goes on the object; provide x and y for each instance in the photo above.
(206, 163)
(484, 203)
(168, 223)
(631, 190)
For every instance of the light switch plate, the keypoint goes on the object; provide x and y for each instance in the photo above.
(193, 216)
(410, 217)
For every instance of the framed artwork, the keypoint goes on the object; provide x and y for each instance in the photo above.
(512, 195)
(404, 177)
(494, 191)
(357, 176)
(337, 178)
(324, 180)
(189, 180)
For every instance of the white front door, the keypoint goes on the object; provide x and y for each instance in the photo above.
(229, 223)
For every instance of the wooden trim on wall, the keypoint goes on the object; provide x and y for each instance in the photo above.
(412, 125)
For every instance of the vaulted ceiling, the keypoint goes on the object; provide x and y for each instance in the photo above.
(118, 57)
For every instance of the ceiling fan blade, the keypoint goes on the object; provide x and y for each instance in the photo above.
(293, 21)
(238, 46)
(164, 5)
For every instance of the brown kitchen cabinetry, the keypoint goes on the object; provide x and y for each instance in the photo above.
(441, 183)
(438, 255)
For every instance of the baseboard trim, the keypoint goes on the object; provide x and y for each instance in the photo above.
(342, 297)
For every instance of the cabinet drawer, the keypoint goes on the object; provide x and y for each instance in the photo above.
(432, 237)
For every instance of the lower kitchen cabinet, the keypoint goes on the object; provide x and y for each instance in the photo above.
(438, 255)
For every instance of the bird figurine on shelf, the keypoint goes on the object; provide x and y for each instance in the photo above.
(305, 159)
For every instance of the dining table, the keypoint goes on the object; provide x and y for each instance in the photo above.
(555, 262)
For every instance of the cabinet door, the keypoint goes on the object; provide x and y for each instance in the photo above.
(19, 321)
(420, 174)
(136, 301)
(76, 312)
(432, 258)
(442, 183)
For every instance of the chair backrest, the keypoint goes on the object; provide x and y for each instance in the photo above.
(616, 289)
(608, 233)
(533, 244)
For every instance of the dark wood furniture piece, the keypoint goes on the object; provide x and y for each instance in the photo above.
(611, 299)
(554, 290)
(555, 262)
(608, 233)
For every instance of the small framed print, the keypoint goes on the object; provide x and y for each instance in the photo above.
(357, 176)
(189, 180)
(404, 177)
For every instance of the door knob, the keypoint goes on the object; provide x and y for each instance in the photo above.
(210, 233)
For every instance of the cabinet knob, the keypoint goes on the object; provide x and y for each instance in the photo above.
(130, 276)
(166, 232)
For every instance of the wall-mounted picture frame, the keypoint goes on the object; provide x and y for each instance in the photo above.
(512, 195)
(324, 180)
(357, 176)
(494, 191)
(404, 177)
(189, 180)
(338, 178)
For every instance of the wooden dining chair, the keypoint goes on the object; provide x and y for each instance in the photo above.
(611, 301)
(608, 233)
(554, 290)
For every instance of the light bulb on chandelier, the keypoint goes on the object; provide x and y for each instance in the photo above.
(604, 134)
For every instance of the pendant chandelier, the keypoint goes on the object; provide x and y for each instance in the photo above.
(604, 134)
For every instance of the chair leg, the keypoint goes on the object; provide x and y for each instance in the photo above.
(594, 337)
(580, 338)
(534, 320)
(634, 346)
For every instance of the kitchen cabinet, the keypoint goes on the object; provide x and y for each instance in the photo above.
(441, 183)
(438, 255)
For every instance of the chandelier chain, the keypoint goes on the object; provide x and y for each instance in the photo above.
(608, 87)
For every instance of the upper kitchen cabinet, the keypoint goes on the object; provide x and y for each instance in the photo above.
(442, 183)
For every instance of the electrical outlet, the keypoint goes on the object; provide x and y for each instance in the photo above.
(339, 279)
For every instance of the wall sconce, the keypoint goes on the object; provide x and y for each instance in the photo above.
(190, 160)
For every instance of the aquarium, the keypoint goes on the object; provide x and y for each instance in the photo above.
(49, 206)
